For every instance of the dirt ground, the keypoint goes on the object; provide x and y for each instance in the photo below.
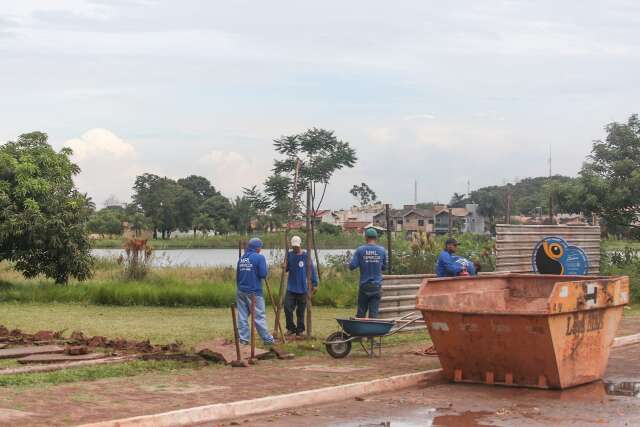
(84, 402)
(79, 403)
(457, 405)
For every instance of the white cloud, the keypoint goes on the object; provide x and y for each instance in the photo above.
(420, 117)
(99, 142)
(381, 135)
(230, 171)
(109, 164)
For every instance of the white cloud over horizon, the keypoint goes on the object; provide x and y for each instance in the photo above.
(438, 92)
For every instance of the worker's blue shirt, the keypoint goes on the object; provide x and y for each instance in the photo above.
(296, 267)
(371, 259)
(447, 265)
(252, 268)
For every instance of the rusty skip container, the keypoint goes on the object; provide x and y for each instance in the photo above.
(532, 330)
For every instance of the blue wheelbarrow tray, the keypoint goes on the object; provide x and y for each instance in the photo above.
(366, 327)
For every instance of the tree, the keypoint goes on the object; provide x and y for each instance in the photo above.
(610, 177)
(42, 215)
(200, 186)
(458, 200)
(241, 213)
(321, 155)
(166, 203)
(363, 193)
(278, 188)
(106, 221)
(219, 209)
(203, 223)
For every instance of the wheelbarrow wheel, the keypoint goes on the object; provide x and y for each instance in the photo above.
(338, 350)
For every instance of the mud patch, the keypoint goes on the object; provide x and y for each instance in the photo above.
(464, 419)
(11, 415)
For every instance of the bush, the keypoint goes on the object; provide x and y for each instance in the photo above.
(325, 228)
(625, 262)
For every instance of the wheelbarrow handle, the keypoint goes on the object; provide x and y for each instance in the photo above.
(408, 323)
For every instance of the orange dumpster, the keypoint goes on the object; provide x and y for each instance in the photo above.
(532, 330)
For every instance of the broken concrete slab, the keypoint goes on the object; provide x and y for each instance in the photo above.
(58, 358)
(3, 345)
(224, 351)
(18, 352)
(49, 367)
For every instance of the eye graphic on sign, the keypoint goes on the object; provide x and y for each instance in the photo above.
(300, 263)
(553, 255)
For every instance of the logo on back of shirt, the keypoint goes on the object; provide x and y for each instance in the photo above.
(371, 256)
(245, 264)
(301, 264)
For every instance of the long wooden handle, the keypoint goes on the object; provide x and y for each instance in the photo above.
(275, 311)
(253, 326)
(236, 336)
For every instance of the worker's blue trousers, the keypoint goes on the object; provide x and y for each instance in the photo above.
(243, 303)
(369, 296)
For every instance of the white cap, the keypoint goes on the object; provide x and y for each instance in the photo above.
(296, 241)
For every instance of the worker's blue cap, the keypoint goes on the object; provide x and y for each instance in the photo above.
(371, 232)
(255, 243)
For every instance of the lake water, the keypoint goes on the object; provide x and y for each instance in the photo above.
(206, 257)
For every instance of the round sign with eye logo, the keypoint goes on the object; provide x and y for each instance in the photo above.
(553, 255)
(300, 263)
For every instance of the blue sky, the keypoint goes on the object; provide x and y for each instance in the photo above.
(440, 92)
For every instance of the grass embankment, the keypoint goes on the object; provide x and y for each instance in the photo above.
(270, 240)
(166, 287)
(92, 373)
(615, 244)
(159, 325)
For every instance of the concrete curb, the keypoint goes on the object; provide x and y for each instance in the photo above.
(626, 340)
(243, 408)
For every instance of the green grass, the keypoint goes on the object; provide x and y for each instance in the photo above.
(163, 287)
(271, 241)
(158, 324)
(614, 244)
(92, 373)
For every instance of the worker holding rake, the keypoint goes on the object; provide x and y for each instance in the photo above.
(296, 297)
(252, 269)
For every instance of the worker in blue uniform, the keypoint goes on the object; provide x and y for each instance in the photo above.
(297, 291)
(251, 270)
(371, 259)
(446, 265)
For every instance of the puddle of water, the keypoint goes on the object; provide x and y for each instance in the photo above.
(624, 388)
(426, 418)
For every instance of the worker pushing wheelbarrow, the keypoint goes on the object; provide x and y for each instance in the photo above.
(338, 344)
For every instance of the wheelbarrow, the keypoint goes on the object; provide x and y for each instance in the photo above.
(338, 344)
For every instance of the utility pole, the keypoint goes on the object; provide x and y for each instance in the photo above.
(507, 216)
(415, 191)
(387, 219)
(450, 222)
